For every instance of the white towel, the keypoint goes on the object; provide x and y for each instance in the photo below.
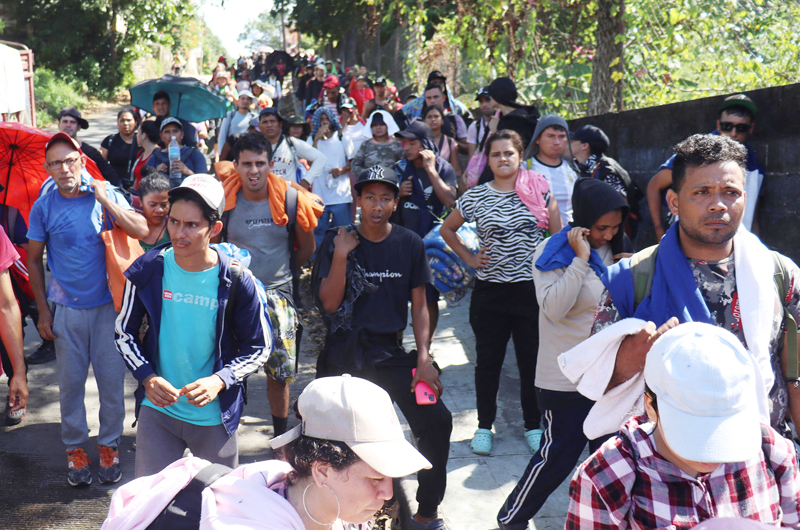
(596, 356)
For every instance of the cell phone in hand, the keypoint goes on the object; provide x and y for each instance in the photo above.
(423, 391)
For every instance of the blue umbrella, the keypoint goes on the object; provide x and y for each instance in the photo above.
(191, 99)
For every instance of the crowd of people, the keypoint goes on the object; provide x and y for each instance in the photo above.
(677, 364)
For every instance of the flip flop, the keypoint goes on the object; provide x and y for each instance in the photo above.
(534, 439)
(482, 442)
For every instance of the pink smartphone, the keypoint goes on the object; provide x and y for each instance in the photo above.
(423, 391)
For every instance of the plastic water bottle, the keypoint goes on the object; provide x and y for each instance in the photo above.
(175, 175)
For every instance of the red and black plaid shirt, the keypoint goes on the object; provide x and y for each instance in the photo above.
(627, 484)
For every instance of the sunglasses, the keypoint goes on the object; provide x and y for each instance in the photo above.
(741, 128)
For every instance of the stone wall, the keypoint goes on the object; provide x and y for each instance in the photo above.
(641, 140)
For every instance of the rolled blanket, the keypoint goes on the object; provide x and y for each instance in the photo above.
(451, 275)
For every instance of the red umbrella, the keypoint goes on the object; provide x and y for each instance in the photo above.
(22, 165)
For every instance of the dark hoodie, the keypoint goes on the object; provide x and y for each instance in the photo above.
(592, 199)
(522, 121)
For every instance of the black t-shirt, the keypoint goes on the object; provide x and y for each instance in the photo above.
(396, 265)
(121, 156)
(105, 168)
(313, 90)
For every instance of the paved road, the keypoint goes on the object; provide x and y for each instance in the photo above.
(33, 463)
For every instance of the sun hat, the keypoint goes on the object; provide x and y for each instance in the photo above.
(204, 186)
(73, 113)
(706, 387)
(247, 93)
(359, 413)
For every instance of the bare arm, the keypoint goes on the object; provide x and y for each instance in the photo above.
(132, 223)
(660, 181)
(448, 232)
(305, 245)
(331, 288)
(455, 162)
(11, 333)
(634, 349)
(36, 274)
(555, 225)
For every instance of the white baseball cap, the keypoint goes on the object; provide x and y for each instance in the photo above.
(705, 383)
(359, 413)
(206, 187)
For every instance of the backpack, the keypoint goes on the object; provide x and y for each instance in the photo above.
(184, 510)
(643, 265)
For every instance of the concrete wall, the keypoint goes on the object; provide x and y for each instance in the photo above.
(641, 140)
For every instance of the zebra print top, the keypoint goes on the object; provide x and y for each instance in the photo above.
(506, 229)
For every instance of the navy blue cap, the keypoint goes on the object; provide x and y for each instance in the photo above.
(417, 130)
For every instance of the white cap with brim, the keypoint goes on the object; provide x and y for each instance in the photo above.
(359, 413)
(707, 392)
(208, 188)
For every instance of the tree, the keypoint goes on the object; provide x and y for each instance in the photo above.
(605, 92)
(264, 31)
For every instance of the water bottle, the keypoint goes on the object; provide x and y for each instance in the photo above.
(174, 151)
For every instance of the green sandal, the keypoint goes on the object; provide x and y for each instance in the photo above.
(482, 442)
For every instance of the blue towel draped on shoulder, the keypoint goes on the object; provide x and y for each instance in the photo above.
(674, 292)
(558, 253)
(451, 275)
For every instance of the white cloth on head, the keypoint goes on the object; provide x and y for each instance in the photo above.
(596, 356)
(391, 125)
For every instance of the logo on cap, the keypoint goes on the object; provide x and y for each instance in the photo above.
(375, 173)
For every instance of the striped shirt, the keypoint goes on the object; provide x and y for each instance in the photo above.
(628, 484)
(506, 229)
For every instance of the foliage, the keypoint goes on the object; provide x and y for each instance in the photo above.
(102, 37)
(263, 31)
(53, 94)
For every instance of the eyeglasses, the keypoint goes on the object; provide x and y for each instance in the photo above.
(741, 128)
(56, 164)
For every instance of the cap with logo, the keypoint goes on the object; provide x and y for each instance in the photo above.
(73, 113)
(380, 81)
(359, 413)
(348, 103)
(482, 93)
(707, 392)
(417, 130)
(167, 121)
(204, 186)
(375, 174)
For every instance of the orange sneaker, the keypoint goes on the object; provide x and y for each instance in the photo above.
(78, 462)
(109, 471)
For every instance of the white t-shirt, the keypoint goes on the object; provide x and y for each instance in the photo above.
(333, 190)
(285, 164)
(472, 132)
(561, 179)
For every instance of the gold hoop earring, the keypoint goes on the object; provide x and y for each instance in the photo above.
(338, 506)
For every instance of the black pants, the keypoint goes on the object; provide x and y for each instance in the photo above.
(499, 312)
(431, 424)
(562, 444)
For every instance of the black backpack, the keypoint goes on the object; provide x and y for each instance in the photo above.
(183, 511)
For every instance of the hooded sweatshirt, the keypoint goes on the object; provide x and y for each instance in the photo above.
(568, 295)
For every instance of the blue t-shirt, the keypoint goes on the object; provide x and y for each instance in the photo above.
(76, 253)
(188, 333)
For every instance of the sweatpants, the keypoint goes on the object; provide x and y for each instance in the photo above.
(499, 312)
(562, 444)
(86, 336)
(162, 439)
(430, 424)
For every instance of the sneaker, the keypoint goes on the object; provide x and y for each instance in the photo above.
(14, 417)
(78, 474)
(109, 471)
(45, 354)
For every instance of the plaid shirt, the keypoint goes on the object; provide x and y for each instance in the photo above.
(627, 484)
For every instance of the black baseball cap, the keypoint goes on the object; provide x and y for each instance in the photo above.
(436, 74)
(377, 173)
(72, 112)
(482, 93)
(270, 111)
(380, 81)
(594, 136)
(417, 130)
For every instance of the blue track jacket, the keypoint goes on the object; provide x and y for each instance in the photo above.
(235, 358)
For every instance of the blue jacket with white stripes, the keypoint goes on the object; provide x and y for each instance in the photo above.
(242, 345)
